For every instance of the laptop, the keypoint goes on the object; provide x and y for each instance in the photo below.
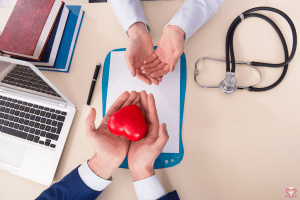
(35, 118)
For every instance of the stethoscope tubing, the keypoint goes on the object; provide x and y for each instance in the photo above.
(229, 44)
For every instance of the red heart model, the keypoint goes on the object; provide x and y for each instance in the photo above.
(128, 121)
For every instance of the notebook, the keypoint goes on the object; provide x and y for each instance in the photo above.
(28, 28)
(68, 42)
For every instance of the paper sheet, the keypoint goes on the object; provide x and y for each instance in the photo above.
(166, 94)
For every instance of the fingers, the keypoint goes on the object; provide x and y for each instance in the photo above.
(138, 65)
(132, 96)
(137, 99)
(153, 80)
(161, 72)
(140, 106)
(163, 136)
(147, 79)
(130, 63)
(143, 78)
(160, 54)
(152, 112)
(118, 103)
(144, 102)
(159, 78)
(172, 65)
(150, 58)
(123, 100)
(90, 121)
(154, 69)
(153, 122)
(151, 65)
(172, 68)
(174, 61)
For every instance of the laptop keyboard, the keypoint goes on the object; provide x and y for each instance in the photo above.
(24, 77)
(31, 122)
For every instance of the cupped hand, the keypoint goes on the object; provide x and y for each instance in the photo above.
(110, 149)
(169, 50)
(139, 48)
(142, 154)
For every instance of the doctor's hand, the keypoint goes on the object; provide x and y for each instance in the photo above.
(110, 149)
(169, 50)
(142, 154)
(139, 48)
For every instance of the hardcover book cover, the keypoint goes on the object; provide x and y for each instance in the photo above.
(49, 55)
(25, 25)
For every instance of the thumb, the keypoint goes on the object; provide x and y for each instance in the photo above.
(173, 63)
(172, 67)
(90, 121)
(163, 136)
(130, 63)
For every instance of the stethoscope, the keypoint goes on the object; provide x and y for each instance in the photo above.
(228, 85)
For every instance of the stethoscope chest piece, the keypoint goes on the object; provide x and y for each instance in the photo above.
(228, 85)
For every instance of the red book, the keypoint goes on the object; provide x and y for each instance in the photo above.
(29, 26)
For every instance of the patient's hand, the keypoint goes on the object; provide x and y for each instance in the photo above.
(110, 149)
(142, 154)
(139, 48)
(169, 50)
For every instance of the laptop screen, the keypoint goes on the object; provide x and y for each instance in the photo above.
(23, 78)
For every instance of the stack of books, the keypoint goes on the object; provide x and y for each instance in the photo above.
(42, 32)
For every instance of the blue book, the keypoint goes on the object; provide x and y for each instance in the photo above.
(68, 42)
(49, 55)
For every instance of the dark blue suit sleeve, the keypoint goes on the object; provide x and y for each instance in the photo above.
(70, 187)
(171, 196)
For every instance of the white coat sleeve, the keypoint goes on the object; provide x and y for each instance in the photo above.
(193, 14)
(128, 12)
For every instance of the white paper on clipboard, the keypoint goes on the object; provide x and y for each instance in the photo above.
(166, 94)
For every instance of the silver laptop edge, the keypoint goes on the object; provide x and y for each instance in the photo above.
(42, 168)
(37, 71)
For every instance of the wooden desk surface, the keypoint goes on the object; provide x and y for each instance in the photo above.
(239, 146)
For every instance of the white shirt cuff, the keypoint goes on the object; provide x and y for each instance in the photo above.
(149, 188)
(91, 179)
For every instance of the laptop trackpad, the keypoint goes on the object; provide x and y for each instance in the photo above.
(11, 152)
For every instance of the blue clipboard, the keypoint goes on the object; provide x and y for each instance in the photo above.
(164, 160)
